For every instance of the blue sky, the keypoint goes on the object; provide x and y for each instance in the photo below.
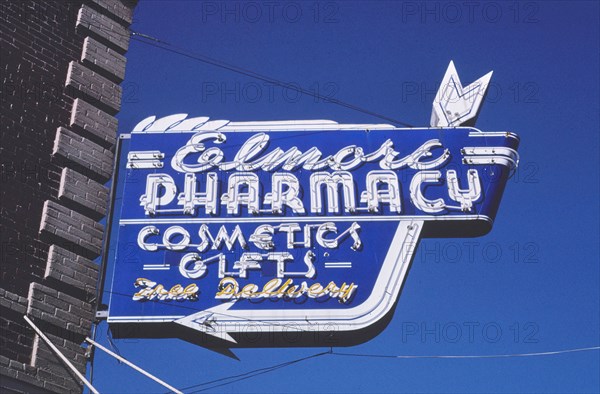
(531, 285)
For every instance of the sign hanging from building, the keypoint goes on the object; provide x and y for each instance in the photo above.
(288, 232)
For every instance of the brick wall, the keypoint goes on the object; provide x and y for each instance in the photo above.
(61, 66)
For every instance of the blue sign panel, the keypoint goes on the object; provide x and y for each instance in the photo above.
(307, 226)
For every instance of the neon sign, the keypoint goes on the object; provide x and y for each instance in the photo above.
(227, 227)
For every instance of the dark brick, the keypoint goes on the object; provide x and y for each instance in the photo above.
(41, 298)
(83, 192)
(44, 357)
(101, 58)
(104, 28)
(92, 158)
(94, 123)
(72, 270)
(95, 86)
(73, 227)
(116, 8)
(13, 301)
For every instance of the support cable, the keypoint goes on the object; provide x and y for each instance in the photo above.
(250, 374)
(155, 42)
(510, 355)
(132, 365)
(61, 356)
(166, 46)
(247, 375)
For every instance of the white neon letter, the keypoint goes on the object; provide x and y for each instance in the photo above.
(234, 197)
(290, 229)
(173, 231)
(332, 182)
(278, 197)
(209, 157)
(154, 184)
(263, 237)
(416, 195)
(466, 198)
(373, 196)
(190, 198)
(412, 160)
(143, 235)
(248, 261)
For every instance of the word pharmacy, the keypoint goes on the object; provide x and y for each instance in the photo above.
(244, 187)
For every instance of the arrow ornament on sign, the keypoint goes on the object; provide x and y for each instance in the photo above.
(455, 105)
(397, 261)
